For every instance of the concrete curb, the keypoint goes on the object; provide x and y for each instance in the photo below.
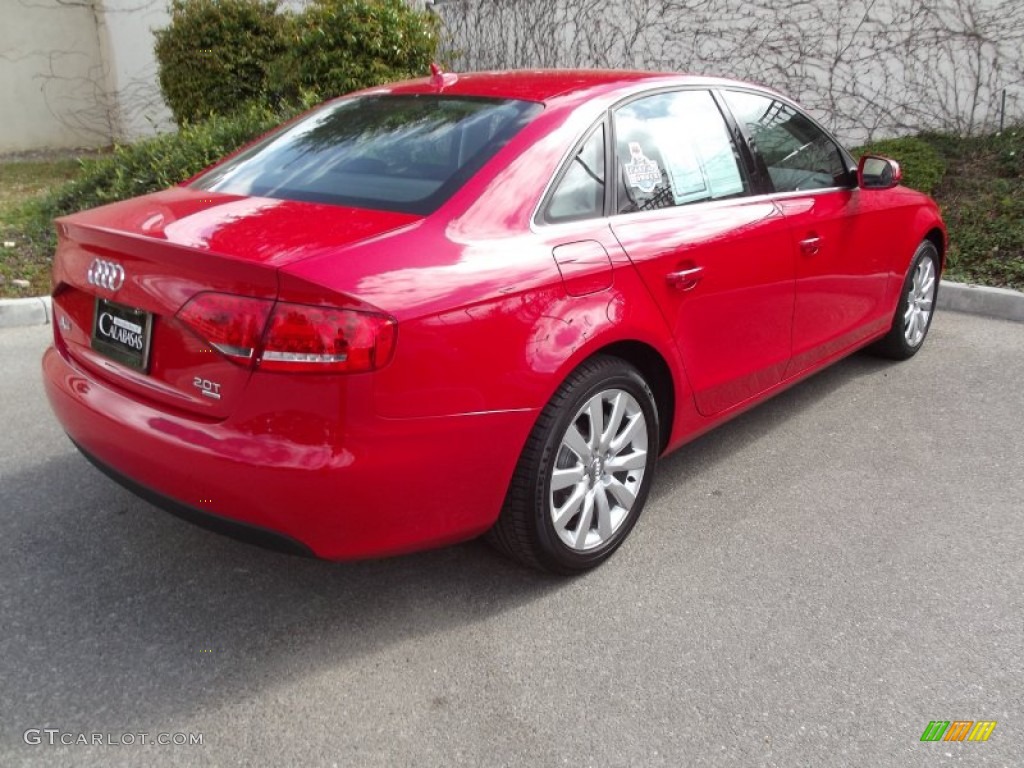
(1000, 303)
(15, 313)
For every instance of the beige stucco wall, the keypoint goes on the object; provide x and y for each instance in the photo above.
(50, 76)
(78, 73)
(140, 109)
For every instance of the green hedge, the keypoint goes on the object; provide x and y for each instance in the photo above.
(216, 55)
(338, 46)
(923, 167)
(982, 200)
(219, 55)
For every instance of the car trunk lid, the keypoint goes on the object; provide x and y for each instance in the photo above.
(123, 272)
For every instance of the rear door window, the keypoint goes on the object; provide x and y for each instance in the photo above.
(406, 153)
(674, 149)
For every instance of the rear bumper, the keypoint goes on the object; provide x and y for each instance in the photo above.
(250, 534)
(359, 487)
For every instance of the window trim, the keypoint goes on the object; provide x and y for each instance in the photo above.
(767, 197)
(753, 168)
(607, 118)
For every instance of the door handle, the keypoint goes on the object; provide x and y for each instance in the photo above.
(685, 279)
(811, 245)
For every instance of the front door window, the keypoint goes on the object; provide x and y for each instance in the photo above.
(798, 154)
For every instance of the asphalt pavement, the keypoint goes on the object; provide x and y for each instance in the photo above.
(810, 585)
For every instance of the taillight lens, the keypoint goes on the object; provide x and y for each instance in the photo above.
(233, 325)
(304, 338)
(283, 336)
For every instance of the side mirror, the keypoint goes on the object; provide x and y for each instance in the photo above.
(874, 172)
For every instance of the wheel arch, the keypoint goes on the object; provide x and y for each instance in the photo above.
(938, 238)
(656, 372)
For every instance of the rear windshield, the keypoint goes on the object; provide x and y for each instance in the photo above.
(396, 153)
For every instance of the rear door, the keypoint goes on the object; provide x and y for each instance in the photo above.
(718, 263)
(841, 242)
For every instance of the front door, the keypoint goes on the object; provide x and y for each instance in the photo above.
(839, 236)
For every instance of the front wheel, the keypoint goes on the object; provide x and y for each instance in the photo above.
(584, 474)
(914, 312)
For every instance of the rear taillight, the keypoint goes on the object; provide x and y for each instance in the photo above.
(283, 336)
(304, 338)
(233, 325)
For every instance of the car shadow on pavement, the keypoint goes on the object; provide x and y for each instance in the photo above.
(112, 606)
(119, 615)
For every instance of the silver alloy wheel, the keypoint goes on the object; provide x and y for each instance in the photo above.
(598, 470)
(920, 300)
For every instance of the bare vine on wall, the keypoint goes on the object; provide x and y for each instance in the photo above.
(75, 80)
(868, 68)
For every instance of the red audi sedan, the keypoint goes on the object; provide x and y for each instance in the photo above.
(476, 304)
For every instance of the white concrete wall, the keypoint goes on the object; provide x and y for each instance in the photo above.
(868, 68)
(140, 109)
(78, 73)
(52, 80)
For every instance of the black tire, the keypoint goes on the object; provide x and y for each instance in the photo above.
(526, 528)
(895, 345)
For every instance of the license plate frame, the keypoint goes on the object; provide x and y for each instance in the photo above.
(115, 328)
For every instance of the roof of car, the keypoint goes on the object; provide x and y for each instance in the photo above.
(540, 84)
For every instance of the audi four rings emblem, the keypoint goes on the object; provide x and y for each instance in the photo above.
(105, 274)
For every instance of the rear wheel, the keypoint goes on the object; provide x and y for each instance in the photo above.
(914, 312)
(585, 471)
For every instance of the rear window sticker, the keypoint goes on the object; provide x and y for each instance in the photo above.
(641, 172)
